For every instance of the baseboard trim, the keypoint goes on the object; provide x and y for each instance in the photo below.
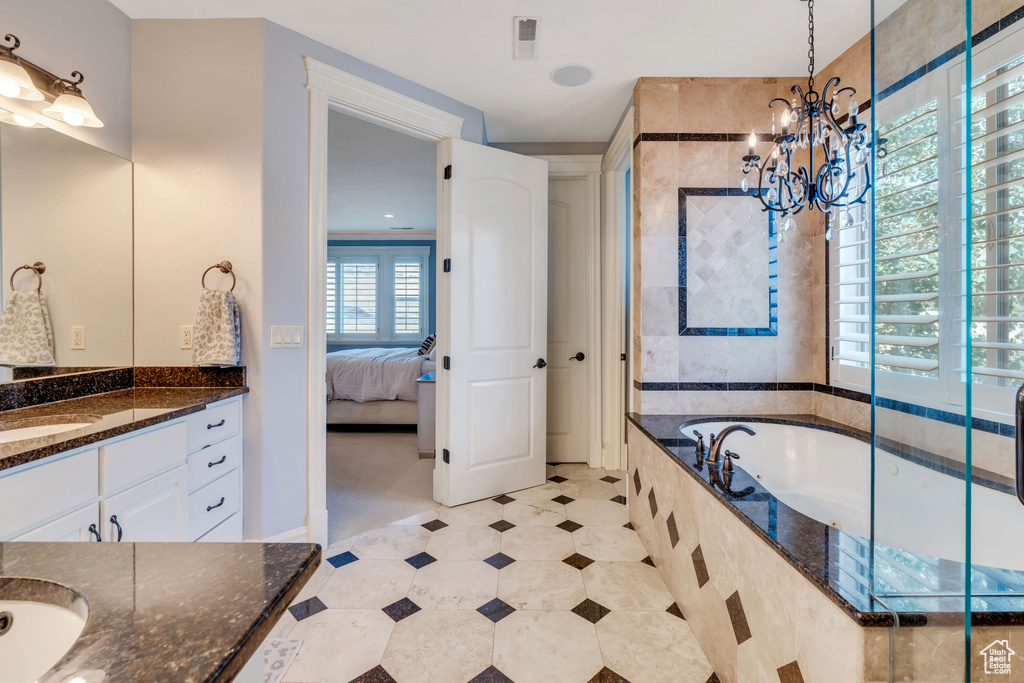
(317, 526)
(299, 535)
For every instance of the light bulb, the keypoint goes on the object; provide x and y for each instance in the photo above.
(753, 139)
(73, 118)
(23, 121)
(8, 89)
(785, 118)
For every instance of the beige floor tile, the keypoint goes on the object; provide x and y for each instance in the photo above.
(283, 626)
(316, 582)
(339, 547)
(550, 471)
(609, 543)
(418, 518)
(480, 513)
(391, 543)
(367, 584)
(588, 489)
(537, 543)
(544, 492)
(540, 647)
(653, 647)
(464, 543)
(338, 645)
(597, 512)
(454, 585)
(626, 586)
(541, 586)
(439, 645)
(580, 471)
(535, 513)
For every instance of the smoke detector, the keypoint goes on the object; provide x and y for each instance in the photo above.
(524, 38)
(572, 75)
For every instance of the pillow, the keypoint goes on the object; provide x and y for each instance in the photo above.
(433, 352)
(428, 344)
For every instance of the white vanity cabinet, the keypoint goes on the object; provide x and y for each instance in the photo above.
(215, 472)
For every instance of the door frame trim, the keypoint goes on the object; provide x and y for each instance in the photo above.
(587, 167)
(331, 88)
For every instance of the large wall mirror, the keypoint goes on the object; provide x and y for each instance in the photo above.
(67, 205)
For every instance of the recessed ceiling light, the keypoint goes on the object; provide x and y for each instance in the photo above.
(389, 215)
(572, 75)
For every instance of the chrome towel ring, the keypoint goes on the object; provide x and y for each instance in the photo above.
(224, 267)
(38, 268)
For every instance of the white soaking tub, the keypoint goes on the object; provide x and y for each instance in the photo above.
(827, 476)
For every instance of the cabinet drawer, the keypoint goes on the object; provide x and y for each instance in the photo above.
(43, 491)
(211, 462)
(71, 527)
(212, 504)
(217, 422)
(139, 457)
(228, 531)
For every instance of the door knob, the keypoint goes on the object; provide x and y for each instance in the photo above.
(579, 356)
(541, 363)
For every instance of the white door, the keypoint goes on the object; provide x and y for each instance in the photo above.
(567, 320)
(74, 526)
(153, 511)
(493, 227)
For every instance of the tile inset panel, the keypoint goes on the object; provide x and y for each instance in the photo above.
(434, 525)
(591, 611)
(421, 560)
(308, 608)
(578, 561)
(499, 560)
(401, 609)
(606, 675)
(375, 675)
(700, 567)
(342, 559)
(569, 525)
(490, 675)
(654, 503)
(790, 673)
(496, 610)
(502, 525)
(738, 617)
(673, 532)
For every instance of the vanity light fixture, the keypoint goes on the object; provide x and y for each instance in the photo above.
(21, 79)
(18, 120)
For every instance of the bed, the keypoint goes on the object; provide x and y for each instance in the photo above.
(374, 386)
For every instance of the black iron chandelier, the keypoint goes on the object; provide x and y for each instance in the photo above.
(809, 121)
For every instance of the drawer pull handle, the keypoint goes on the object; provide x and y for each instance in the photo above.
(213, 507)
(223, 458)
(219, 424)
(120, 531)
(95, 532)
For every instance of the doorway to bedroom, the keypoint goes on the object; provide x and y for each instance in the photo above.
(380, 295)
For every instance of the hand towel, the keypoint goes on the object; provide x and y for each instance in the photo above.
(26, 336)
(217, 337)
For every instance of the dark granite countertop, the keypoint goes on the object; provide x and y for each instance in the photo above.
(186, 612)
(837, 562)
(119, 412)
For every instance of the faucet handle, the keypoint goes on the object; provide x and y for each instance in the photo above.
(729, 457)
(730, 454)
(711, 440)
(700, 442)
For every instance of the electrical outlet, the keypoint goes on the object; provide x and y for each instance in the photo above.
(185, 335)
(78, 337)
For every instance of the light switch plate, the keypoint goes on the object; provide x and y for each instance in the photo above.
(286, 336)
(78, 337)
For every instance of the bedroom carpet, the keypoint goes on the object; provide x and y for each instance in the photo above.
(374, 479)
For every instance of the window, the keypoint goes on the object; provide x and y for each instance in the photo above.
(377, 294)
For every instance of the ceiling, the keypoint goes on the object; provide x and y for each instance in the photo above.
(373, 171)
(463, 48)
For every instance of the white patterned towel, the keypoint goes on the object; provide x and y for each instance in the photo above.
(26, 337)
(217, 338)
(278, 655)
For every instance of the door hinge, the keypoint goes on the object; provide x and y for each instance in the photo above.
(448, 172)
(622, 356)
(447, 363)
(447, 265)
(446, 456)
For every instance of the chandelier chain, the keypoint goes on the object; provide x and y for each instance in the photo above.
(810, 44)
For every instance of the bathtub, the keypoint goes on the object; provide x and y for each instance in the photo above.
(827, 476)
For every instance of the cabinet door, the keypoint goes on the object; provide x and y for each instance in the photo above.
(153, 511)
(70, 527)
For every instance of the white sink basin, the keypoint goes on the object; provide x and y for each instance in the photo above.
(33, 428)
(40, 621)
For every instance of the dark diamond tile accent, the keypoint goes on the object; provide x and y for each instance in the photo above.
(558, 479)
(591, 611)
(496, 610)
(307, 608)
(610, 479)
(629, 525)
(654, 503)
(375, 675)
(401, 609)
(502, 525)
(499, 561)
(790, 673)
(700, 568)
(342, 559)
(674, 610)
(738, 617)
(421, 560)
(504, 500)
(673, 532)
(648, 561)
(434, 525)
(714, 678)
(569, 526)
(606, 675)
(581, 562)
(490, 675)
(621, 500)
(563, 500)
(636, 480)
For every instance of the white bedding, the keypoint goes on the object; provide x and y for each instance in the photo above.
(374, 374)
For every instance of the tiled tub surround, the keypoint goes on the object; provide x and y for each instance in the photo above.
(166, 612)
(792, 591)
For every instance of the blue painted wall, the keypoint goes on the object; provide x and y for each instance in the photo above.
(431, 284)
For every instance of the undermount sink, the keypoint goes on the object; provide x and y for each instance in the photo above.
(39, 622)
(33, 428)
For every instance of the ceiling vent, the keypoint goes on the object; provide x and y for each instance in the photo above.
(524, 40)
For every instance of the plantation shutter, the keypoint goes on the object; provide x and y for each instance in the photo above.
(408, 286)
(358, 296)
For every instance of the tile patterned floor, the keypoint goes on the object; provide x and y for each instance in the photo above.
(546, 584)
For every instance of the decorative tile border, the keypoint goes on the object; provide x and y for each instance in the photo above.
(773, 291)
(700, 137)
